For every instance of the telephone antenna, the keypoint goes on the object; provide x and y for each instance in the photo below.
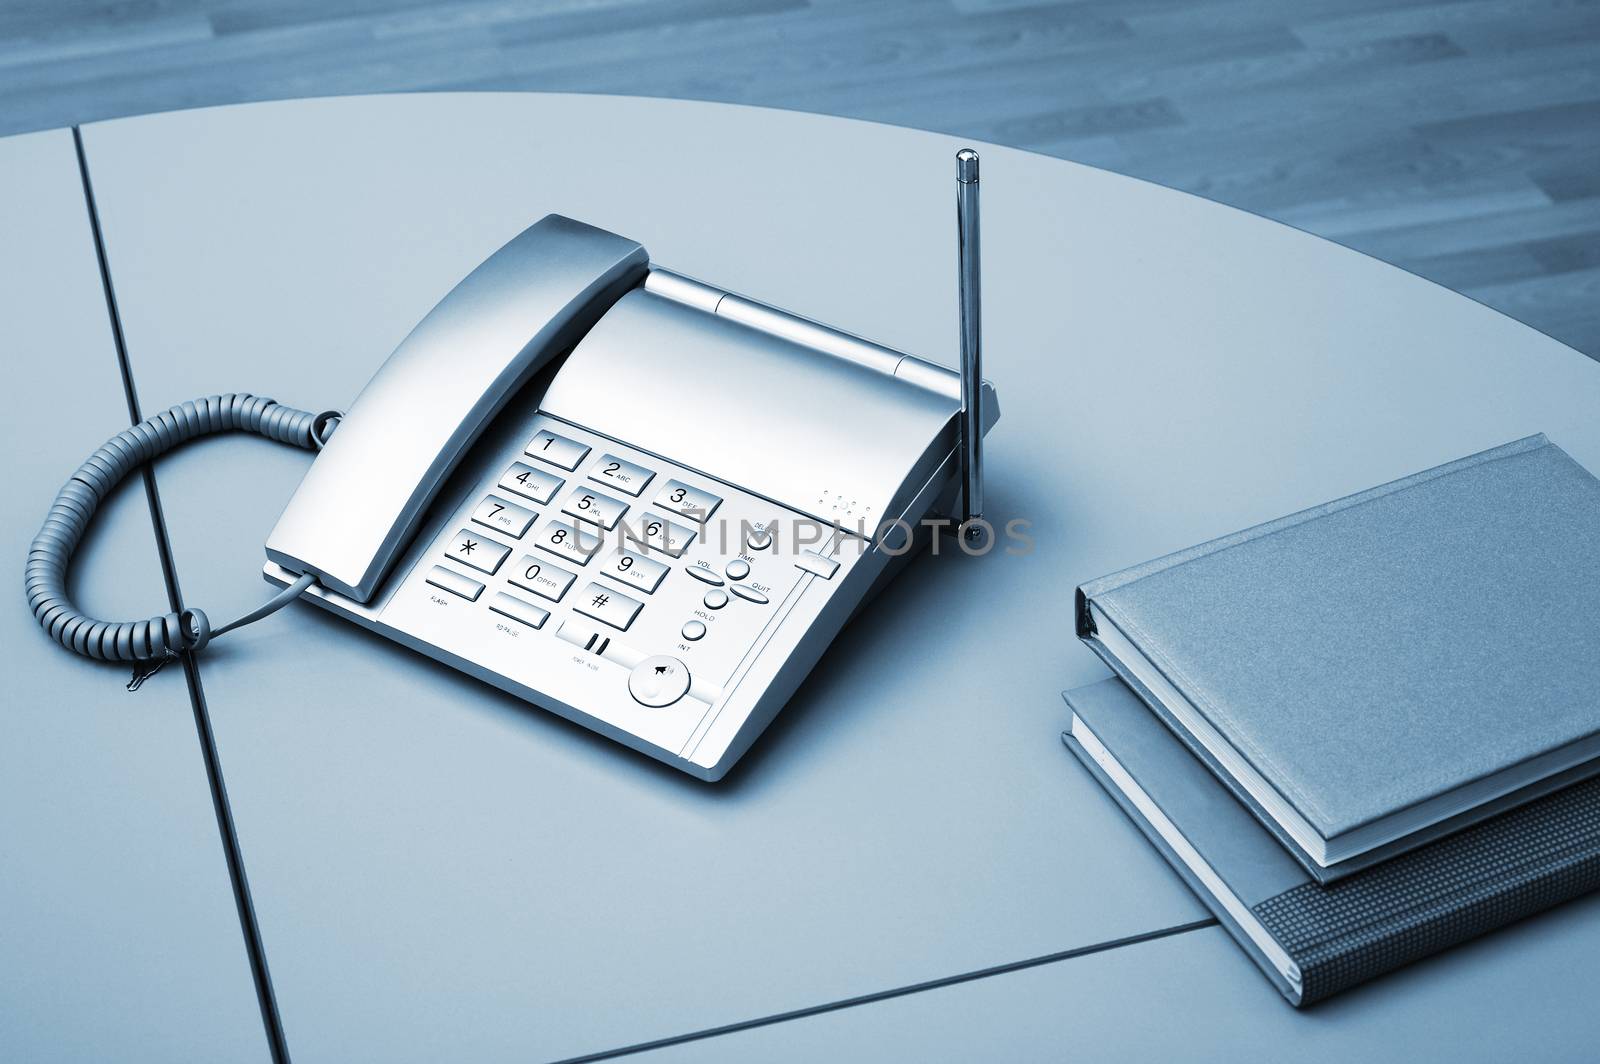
(968, 266)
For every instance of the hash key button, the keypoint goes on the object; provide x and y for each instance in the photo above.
(483, 554)
(607, 606)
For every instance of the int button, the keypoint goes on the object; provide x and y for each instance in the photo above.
(693, 630)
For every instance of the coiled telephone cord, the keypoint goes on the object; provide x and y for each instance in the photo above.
(163, 637)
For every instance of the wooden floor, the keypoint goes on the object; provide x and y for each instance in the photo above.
(1458, 139)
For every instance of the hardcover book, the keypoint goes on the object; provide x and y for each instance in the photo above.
(1382, 670)
(1311, 939)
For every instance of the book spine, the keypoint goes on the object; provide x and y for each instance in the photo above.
(1373, 923)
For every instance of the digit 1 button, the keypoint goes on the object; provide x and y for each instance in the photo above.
(557, 450)
(694, 630)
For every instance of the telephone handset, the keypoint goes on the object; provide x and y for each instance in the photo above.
(530, 301)
(658, 547)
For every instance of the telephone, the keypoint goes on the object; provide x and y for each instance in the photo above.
(625, 496)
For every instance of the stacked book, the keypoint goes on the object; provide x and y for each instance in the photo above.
(1371, 730)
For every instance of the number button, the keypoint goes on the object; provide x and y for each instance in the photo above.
(626, 477)
(565, 541)
(484, 555)
(658, 533)
(608, 606)
(679, 498)
(557, 450)
(635, 570)
(544, 578)
(502, 516)
(596, 508)
(533, 483)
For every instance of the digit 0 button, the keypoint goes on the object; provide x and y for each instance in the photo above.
(557, 450)
(658, 681)
(545, 579)
(626, 477)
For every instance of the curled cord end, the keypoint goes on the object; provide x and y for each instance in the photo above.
(146, 669)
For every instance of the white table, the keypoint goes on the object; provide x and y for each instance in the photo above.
(441, 871)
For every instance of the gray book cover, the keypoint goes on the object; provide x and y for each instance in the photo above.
(1312, 939)
(1377, 671)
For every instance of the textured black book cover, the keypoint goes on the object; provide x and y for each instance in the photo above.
(1513, 865)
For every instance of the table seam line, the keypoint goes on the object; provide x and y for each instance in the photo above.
(233, 854)
(894, 992)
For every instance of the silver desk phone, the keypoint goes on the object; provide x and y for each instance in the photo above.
(659, 534)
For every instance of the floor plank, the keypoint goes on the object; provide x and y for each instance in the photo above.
(1398, 127)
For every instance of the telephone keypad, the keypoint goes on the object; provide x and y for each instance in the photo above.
(483, 554)
(557, 450)
(685, 501)
(595, 508)
(566, 541)
(503, 516)
(608, 606)
(535, 484)
(544, 578)
(635, 570)
(621, 474)
(449, 580)
(535, 522)
(518, 610)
